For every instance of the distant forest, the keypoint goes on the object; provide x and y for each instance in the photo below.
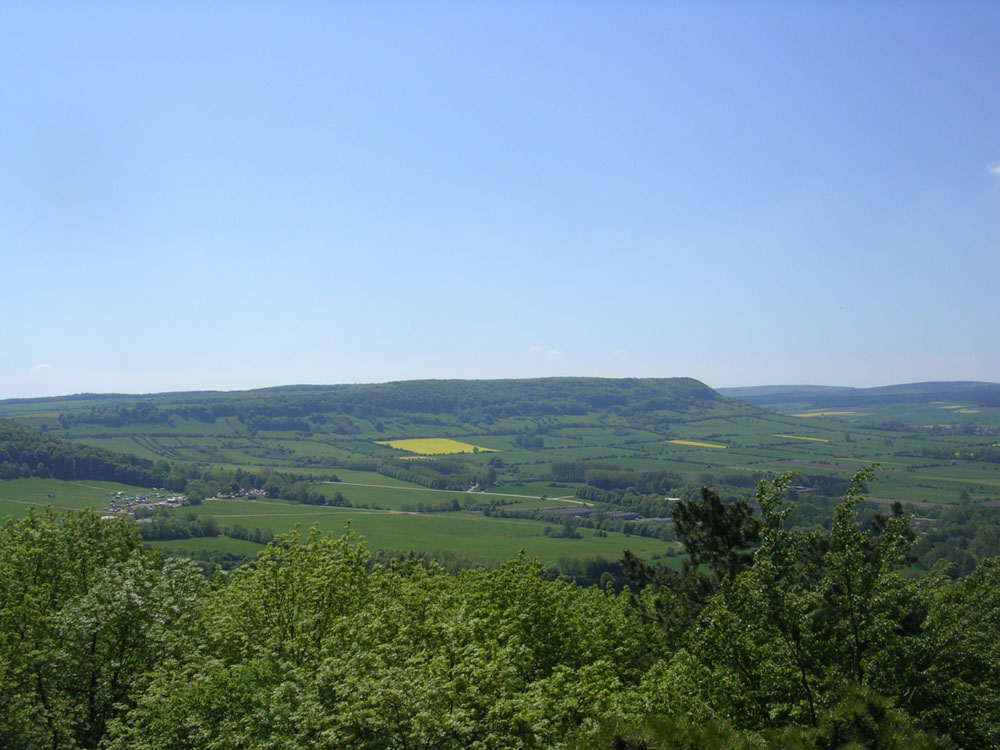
(25, 452)
(473, 401)
(984, 394)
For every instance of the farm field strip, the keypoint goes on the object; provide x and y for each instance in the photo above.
(563, 499)
(696, 444)
(879, 461)
(809, 414)
(434, 446)
(466, 533)
(35, 502)
(961, 480)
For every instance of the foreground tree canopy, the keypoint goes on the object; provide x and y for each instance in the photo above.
(781, 638)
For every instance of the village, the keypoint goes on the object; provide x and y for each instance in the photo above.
(122, 504)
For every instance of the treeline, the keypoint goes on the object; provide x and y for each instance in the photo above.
(647, 506)
(989, 453)
(203, 482)
(438, 473)
(471, 502)
(600, 521)
(576, 471)
(982, 394)
(116, 415)
(257, 416)
(469, 401)
(963, 536)
(176, 526)
(171, 526)
(646, 482)
(529, 441)
(482, 400)
(771, 637)
(337, 423)
(25, 452)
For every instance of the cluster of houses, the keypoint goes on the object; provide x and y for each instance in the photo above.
(122, 503)
(238, 494)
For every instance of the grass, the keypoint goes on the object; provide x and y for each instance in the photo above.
(17, 495)
(434, 446)
(208, 544)
(374, 490)
(468, 534)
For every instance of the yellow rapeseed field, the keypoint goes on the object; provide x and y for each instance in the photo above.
(696, 444)
(799, 437)
(434, 446)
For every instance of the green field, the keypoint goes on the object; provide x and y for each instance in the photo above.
(223, 544)
(375, 495)
(467, 534)
(17, 495)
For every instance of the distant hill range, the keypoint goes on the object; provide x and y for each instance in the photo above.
(637, 400)
(972, 392)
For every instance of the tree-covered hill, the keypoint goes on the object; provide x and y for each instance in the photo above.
(25, 452)
(472, 401)
(970, 392)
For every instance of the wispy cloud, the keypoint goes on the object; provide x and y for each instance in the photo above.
(994, 168)
(41, 367)
(555, 352)
(534, 348)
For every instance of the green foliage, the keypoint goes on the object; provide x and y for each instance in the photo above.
(813, 641)
(716, 535)
(85, 615)
(816, 617)
(310, 647)
(438, 473)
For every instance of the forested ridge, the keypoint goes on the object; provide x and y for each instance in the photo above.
(25, 452)
(470, 400)
(772, 637)
(985, 394)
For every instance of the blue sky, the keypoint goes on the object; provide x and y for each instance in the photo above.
(232, 195)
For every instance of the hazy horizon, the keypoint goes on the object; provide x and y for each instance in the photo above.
(328, 385)
(238, 196)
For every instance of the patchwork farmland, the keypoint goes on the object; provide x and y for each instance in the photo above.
(562, 468)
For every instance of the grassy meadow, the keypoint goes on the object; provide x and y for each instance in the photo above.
(17, 495)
